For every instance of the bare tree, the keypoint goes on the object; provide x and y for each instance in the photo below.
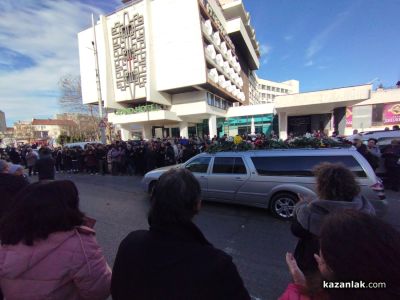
(70, 101)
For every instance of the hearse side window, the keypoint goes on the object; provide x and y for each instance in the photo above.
(199, 165)
(229, 165)
(301, 165)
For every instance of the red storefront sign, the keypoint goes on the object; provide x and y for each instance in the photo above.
(349, 117)
(391, 114)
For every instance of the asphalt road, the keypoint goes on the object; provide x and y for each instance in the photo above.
(256, 240)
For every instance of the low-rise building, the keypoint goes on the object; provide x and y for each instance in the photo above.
(87, 126)
(379, 112)
(341, 110)
(51, 129)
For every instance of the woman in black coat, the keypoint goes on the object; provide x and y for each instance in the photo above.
(173, 260)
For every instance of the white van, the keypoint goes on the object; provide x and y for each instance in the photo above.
(80, 144)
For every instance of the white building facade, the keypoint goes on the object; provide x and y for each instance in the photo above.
(267, 90)
(173, 67)
(45, 129)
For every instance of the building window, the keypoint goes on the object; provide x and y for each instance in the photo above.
(210, 99)
(268, 88)
(216, 101)
(377, 114)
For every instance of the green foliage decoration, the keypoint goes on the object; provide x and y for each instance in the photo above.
(296, 143)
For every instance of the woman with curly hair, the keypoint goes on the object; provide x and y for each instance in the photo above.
(337, 189)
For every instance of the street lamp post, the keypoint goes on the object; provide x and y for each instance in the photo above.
(99, 97)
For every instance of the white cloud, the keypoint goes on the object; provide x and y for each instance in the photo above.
(46, 31)
(309, 63)
(265, 50)
(288, 38)
(318, 42)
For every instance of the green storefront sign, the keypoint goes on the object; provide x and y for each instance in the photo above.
(138, 109)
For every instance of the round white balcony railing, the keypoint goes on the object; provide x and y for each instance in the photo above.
(208, 27)
(216, 38)
(210, 50)
(213, 75)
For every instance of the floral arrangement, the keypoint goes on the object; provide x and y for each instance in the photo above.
(238, 144)
(237, 140)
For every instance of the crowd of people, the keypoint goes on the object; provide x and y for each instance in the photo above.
(49, 251)
(140, 156)
(118, 158)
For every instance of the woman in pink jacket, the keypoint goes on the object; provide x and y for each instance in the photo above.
(46, 251)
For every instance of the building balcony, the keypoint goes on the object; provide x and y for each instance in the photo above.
(235, 9)
(243, 42)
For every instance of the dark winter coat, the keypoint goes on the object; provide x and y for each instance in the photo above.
(174, 262)
(187, 154)
(14, 157)
(90, 159)
(170, 156)
(10, 185)
(308, 222)
(392, 156)
(45, 167)
(151, 159)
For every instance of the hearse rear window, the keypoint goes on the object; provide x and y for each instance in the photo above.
(301, 166)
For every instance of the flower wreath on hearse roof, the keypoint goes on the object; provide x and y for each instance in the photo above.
(238, 144)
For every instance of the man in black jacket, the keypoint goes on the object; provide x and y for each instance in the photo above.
(392, 158)
(45, 165)
(15, 157)
(173, 260)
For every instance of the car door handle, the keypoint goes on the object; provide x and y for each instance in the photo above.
(239, 179)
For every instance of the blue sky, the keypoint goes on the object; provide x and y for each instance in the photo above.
(327, 44)
(322, 44)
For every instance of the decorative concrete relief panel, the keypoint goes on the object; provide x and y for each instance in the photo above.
(129, 50)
